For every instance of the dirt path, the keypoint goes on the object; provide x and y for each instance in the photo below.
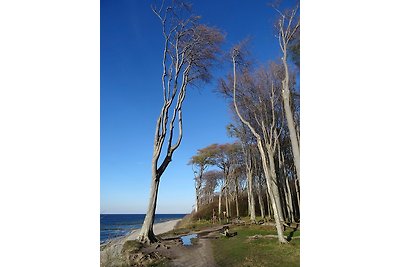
(198, 255)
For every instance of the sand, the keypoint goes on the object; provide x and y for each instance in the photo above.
(158, 228)
(113, 248)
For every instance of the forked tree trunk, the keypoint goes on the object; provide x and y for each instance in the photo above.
(274, 185)
(273, 192)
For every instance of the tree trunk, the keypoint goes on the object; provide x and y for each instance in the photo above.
(274, 197)
(248, 198)
(272, 190)
(197, 199)
(226, 202)
(236, 198)
(289, 200)
(297, 186)
(220, 203)
(268, 207)
(289, 116)
(261, 203)
(276, 203)
(252, 208)
(146, 234)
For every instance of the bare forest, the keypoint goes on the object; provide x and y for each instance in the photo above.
(250, 185)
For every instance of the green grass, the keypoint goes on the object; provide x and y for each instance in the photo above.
(131, 246)
(241, 251)
(185, 227)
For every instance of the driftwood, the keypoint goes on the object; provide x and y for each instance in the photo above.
(238, 221)
(225, 232)
(269, 236)
(294, 226)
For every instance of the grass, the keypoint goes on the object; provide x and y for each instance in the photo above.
(131, 246)
(242, 251)
(187, 226)
(160, 263)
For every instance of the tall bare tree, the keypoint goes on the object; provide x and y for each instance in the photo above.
(190, 48)
(246, 140)
(288, 26)
(266, 135)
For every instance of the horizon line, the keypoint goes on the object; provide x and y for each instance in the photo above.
(139, 213)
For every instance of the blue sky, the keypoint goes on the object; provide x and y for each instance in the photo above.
(131, 97)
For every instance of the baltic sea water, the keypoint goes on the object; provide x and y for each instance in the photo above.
(116, 225)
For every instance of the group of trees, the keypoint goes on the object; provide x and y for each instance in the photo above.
(264, 162)
(266, 106)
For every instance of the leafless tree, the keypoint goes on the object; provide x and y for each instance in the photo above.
(264, 130)
(246, 140)
(288, 26)
(190, 48)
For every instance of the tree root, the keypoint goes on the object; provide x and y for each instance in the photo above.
(269, 236)
(148, 239)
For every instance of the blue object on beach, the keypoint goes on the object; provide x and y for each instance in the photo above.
(187, 239)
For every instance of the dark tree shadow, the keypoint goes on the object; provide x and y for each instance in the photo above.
(290, 236)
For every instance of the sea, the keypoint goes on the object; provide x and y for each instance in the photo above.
(116, 225)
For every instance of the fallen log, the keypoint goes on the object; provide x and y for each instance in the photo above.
(225, 232)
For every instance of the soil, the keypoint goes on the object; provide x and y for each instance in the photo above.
(198, 254)
(110, 253)
(169, 249)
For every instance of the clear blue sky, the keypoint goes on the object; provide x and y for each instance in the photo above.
(131, 98)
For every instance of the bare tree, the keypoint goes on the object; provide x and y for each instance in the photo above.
(266, 143)
(189, 50)
(199, 163)
(288, 26)
(246, 140)
(222, 160)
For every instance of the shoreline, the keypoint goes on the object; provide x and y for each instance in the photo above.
(114, 246)
(158, 228)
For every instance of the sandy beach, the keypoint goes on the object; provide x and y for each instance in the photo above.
(158, 228)
(114, 247)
